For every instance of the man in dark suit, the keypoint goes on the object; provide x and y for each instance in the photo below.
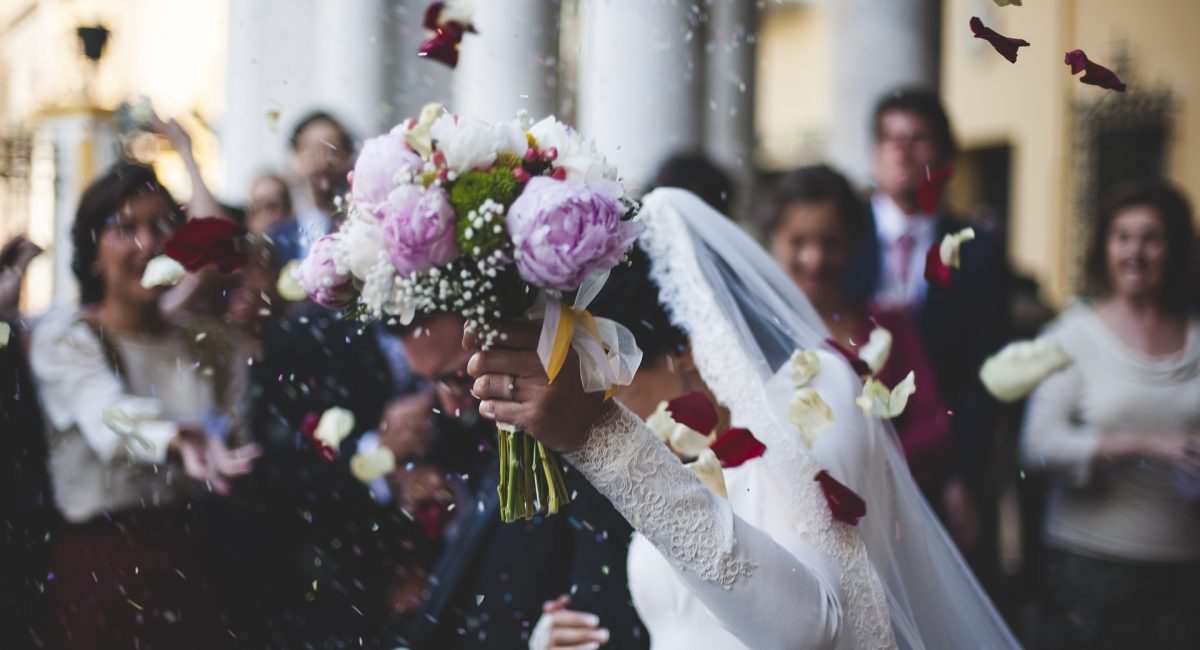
(960, 325)
(322, 154)
(488, 588)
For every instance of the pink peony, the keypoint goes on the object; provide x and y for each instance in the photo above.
(380, 160)
(418, 228)
(565, 230)
(319, 277)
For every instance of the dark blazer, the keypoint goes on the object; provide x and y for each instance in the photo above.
(960, 327)
(487, 589)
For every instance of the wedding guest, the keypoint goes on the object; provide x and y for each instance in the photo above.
(129, 397)
(322, 155)
(698, 174)
(491, 581)
(814, 223)
(270, 204)
(960, 325)
(15, 257)
(1119, 432)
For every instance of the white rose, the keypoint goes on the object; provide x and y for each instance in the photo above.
(468, 143)
(805, 365)
(336, 423)
(511, 138)
(361, 246)
(577, 156)
(877, 401)
(1013, 373)
(949, 249)
(368, 466)
(877, 349)
(708, 469)
(162, 271)
(810, 415)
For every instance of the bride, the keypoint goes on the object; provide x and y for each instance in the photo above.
(769, 566)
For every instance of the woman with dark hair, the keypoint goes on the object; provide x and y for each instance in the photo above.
(134, 405)
(1120, 431)
(814, 224)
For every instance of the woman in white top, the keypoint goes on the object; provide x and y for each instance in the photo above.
(130, 401)
(1120, 431)
(770, 566)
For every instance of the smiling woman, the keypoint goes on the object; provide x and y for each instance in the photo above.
(121, 414)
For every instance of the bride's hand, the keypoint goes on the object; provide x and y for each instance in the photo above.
(565, 629)
(511, 385)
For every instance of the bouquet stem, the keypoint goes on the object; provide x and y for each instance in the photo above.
(531, 477)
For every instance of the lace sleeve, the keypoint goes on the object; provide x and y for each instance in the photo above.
(766, 595)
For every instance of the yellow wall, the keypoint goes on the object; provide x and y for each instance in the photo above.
(792, 105)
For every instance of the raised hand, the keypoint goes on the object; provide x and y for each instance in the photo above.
(560, 628)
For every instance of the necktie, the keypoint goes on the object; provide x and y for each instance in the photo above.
(902, 260)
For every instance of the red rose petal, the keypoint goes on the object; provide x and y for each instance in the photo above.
(205, 241)
(930, 190)
(308, 428)
(443, 45)
(736, 446)
(936, 272)
(1007, 47)
(694, 410)
(860, 367)
(846, 506)
(1094, 74)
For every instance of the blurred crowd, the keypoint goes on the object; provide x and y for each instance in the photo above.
(218, 524)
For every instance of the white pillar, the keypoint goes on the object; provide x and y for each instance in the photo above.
(350, 49)
(878, 45)
(640, 79)
(512, 63)
(729, 116)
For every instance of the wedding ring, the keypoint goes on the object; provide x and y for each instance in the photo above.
(512, 387)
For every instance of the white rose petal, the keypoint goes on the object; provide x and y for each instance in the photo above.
(877, 349)
(805, 365)
(661, 424)
(708, 469)
(510, 138)
(679, 437)
(810, 415)
(5, 333)
(949, 249)
(288, 286)
(336, 423)
(370, 465)
(1013, 372)
(877, 401)
(418, 136)
(162, 271)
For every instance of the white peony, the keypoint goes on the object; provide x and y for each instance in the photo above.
(949, 248)
(288, 285)
(877, 349)
(805, 365)
(368, 466)
(162, 271)
(1013, 372)
(511, 138)
(336, 423)
(577, 156)
(810, 415)
(467, 143)
(708, 469)
(877, 401)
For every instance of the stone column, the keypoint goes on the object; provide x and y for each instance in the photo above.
(878, 45)
(729, 113)
(351, 47)
(640, 80)
(413, 81)
(512, 63)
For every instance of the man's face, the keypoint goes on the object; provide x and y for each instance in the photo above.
(435, 353)
(905, 148)
(321, 157)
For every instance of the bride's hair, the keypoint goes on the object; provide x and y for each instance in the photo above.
(630, 298)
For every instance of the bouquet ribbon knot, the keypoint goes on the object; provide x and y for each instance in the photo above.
(608, 352)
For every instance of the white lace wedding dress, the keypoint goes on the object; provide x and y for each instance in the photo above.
(770, 567)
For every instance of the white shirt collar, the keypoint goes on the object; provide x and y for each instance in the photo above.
(892, 222)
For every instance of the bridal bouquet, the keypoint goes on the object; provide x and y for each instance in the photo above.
(487, 221)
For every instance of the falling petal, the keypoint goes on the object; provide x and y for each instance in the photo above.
(877, 349)
(736, 446)
(708, 469)
(1094, 74)
(1013, 372)
(930, 190)
(845, 506)
(162, 271)
(1007, 47)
